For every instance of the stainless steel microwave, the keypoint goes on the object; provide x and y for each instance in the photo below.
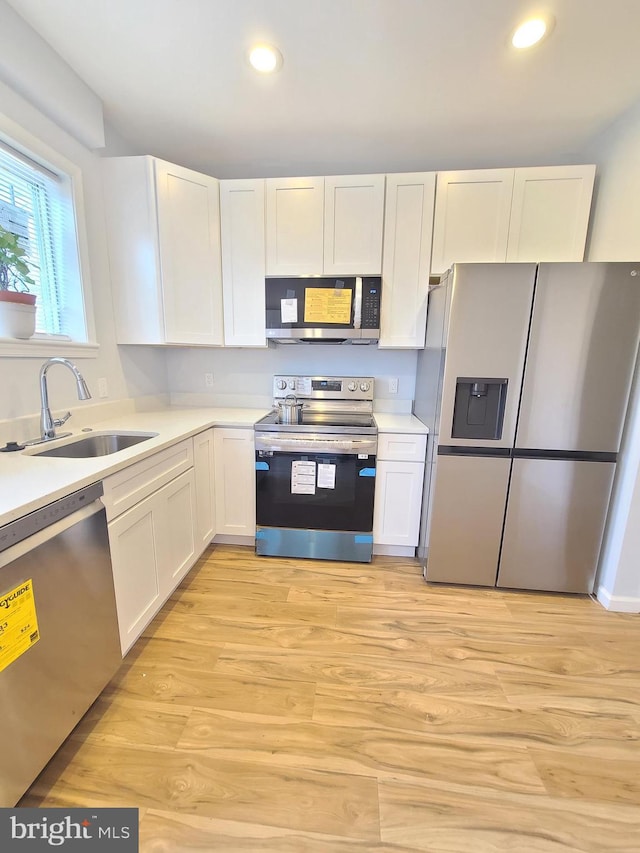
(337, 309)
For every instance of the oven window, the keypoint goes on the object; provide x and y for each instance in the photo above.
(281, 481)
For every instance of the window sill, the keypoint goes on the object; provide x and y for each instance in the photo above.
(45, 348)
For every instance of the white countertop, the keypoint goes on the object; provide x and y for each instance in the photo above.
(390, 422)
(28, 482)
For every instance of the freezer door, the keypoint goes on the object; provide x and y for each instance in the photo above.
(469, 498)
(584, 337)
(554, 524)
(487, 337)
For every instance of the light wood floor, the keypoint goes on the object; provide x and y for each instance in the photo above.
(306, 707)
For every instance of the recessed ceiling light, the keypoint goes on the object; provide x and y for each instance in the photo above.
(265, 58)
(530, 32)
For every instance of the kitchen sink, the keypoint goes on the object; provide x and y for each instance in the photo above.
(96, 445)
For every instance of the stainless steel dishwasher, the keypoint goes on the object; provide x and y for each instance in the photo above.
(58, 630)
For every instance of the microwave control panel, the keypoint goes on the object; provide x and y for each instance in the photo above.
(370, 304)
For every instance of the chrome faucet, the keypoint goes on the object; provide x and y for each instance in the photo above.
(48, 423)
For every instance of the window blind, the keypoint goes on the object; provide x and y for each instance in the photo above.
(34, 205)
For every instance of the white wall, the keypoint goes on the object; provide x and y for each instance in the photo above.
(615, 236)
(30, 66)
(129, 372)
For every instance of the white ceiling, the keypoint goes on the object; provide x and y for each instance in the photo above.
(366, 85)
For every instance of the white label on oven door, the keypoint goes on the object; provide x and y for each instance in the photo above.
(326, 476)
(289, 310)
(303, 478)
(363, 455)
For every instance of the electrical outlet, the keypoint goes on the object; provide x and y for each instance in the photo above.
(103, 388)
(208, 380)
(393, 386)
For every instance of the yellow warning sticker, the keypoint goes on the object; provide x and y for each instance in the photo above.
(18, 623)
(327, 305)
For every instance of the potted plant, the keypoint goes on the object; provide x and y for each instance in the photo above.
(17, 304)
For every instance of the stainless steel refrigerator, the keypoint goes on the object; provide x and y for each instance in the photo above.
(524, 383)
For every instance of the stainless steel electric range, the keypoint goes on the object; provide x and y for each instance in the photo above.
(315, 477)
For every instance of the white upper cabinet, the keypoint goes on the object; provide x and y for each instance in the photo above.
(406, 258)
(243, 262)
(472, 215)
(353, 223)
(536, 214)
(163, 226)
(295, 223)
(550, 213)
(325, 226)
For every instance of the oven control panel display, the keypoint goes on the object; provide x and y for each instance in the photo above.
(327, 385)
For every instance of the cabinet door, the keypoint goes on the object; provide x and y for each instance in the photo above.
(471, 217)
(234, 457)
(134, 556)
(406, 258)
(353, 220)
(243, 265)
(295, 226)
(398, 499)
(175, 532)
(205, 494)
(132, 237)
(550, 213)
(189, 239)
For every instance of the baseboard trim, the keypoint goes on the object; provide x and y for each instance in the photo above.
(394, 550)
(618, 603)
(228, 539)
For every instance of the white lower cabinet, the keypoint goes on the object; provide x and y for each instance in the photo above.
(134, 546)
(152, 548)
(203, 466)
(177, 515)
(398, 495)
(234, 455)
(158, 510)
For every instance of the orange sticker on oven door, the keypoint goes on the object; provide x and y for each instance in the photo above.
(18, 623)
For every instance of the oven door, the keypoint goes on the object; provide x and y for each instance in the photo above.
(314, 495)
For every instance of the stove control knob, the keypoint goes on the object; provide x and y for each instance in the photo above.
(352, 386)
(292, 384)
(364, 386)
(281, 384)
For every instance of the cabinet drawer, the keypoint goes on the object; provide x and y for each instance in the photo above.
(402, 447)
(133, 484)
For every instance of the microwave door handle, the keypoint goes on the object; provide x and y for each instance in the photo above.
(357, 304)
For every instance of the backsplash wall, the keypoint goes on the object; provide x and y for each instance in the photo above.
(243, 377)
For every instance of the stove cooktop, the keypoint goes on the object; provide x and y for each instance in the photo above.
(330, 404)
(322, 422)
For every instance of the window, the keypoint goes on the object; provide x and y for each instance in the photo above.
(37, 204)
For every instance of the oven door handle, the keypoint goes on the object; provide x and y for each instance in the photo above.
(310, 445)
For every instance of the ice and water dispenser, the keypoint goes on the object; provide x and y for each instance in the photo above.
(478, 411)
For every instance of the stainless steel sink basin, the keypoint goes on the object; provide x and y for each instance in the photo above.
(95, 445)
